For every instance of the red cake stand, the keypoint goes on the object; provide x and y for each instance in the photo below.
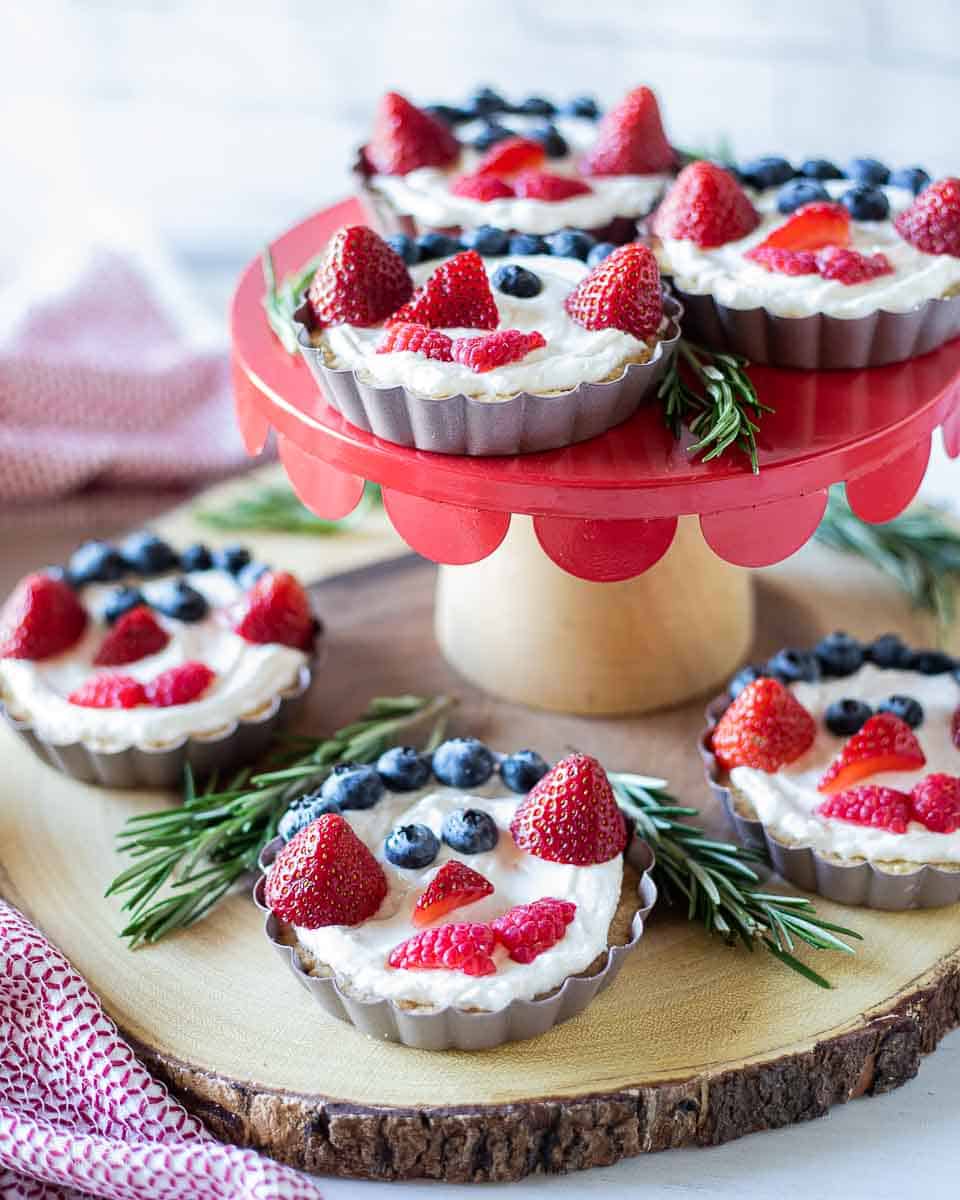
(605, 577)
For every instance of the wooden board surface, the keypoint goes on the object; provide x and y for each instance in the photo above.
(694, 1043)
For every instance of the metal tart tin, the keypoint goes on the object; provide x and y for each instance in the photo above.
(519, 424)
(450, 1028)
(863, 884)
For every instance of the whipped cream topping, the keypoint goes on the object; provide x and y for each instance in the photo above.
(786, 801)
(736, 282)
(424, 194)
(358, 954)
(572, 355)
(248, 675)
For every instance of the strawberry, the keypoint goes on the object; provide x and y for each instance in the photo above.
(543, 185)
(812, 227)
(277, 610)
(360, 281)
(850, 266)
(464, 947)
(481, 187)
(936, 803)
(511, 155)
(630, 139)
(527, 930)
(705, 206)
(325, 876)
(621, 292)
(783, 262)
(135, 635)
(418, 339)
(879, 807)
(109, 691)
(405, 137)
(42, 618)
(453, 886)
(932, 222)
(570, 816)
(885, 743)
(494, 350)
(456, 295)
(179, 685)
(766, 727)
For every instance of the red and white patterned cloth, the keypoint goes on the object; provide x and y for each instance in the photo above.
(79, 1115)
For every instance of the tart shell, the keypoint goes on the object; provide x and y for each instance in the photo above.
(862, 884)
(450, 1028)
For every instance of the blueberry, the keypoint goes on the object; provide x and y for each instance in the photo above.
(120, 601)
(491, 133)
(888, 651)
(522, 770)
(599, 252)
(302, 811)
(463, 762)
(743, 678)
(148, 554)
(486, 239)
(196, 558)
(470, 831)
(403, 769)
(904, 707)
(570, 243)
(767, 172)
(179, 600)
(436, 245)
(353, 785)
(449, 114)
(551, 139)
(517, 281)
(528, 243)
(583, 106)
(914, 179)
(247, 576)
(868, 170)
(931, 662)
(231, 558)
(794, 666)
(800, 191)
(412, 846)
(405, 246)
(535, 106)
(865, 203)
(839, 654)
(96, 562)
(58, 573)
(820, 168)
(845, 717)
(485, 100)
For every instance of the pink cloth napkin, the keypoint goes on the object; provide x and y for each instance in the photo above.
(79, 1115)
(102, 380)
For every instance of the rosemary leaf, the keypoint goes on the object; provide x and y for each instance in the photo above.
(276, 509)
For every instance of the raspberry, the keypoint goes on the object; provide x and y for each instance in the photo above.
(405, 137)
(457, 295)
(630, 139)
(932, 222)
(465, 947)
(360, 281)
(481, 187)
(483, 354)
(325, 876)
(136, 634)
(811, 227)
(453, 886)
(850, 267)
(885, 743)
(879, 807)
(570, 816)
(766, 727)
(621, 292)
(278, 610)
(936, 803)
(418, 339)
(179, 685)
(109, 691)
(705, 206)
(42, 618)
(543, 185)
(783, 262)
(527, 930)
(511, 155)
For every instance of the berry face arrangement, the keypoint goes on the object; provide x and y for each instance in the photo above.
(528, 167)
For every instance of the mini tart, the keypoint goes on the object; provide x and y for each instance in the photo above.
(808, 322)
(846, 862)
(582, 383)
(438, 1009)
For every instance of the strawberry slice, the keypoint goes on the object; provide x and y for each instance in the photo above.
(457, 295)
(544, 185)
(511, 155)
(705, 206)
(932, 222)
(278, 610)
(630, 139)
(136, 634)
(812, 227)
(405, 138)
(766, 727)
(621, 292)
(360, 281)
(453, 886)
(42, 618)
(885, 743)
(481, 187)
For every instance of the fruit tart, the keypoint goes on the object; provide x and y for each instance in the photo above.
(134, 661)
(462, 899)
(814, 267)
(530, 167)
(844, 762)
(484, 347)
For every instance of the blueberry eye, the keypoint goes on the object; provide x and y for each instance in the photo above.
(470, 831)
(847, 717)
(517, 281)
(412, 846)
(179, 600)
(799, 192)
(904, 707)
(866, 203)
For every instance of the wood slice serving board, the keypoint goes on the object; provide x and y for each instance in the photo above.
(695, 1043)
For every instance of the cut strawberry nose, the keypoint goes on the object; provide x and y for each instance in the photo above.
(812, 227)
(885, 743)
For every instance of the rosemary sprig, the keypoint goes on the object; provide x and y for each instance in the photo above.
(919, 550)
(282, 300)
(712, 395)
(719, 884)
(276, 509)
(187, 858)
